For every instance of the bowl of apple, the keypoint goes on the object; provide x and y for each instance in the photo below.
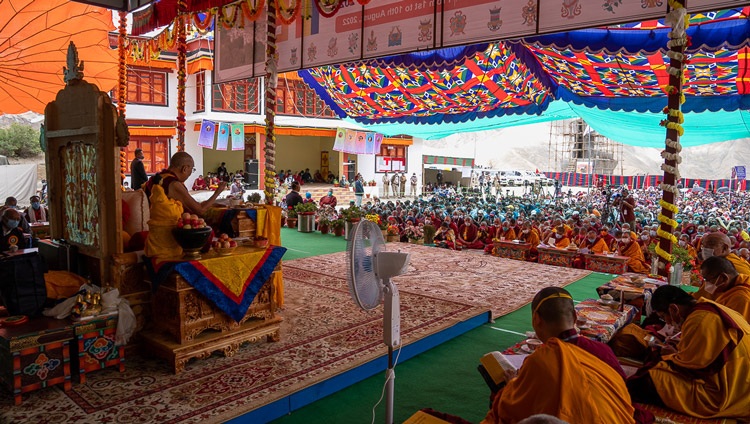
(191, 233)
(224, 245)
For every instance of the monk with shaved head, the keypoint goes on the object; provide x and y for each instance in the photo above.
(569, 377)
(718, 244)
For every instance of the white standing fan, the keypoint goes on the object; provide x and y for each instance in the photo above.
(369, 271)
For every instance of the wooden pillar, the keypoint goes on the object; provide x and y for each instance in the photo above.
(678, 19)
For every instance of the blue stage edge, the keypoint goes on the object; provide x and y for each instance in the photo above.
(378, 365)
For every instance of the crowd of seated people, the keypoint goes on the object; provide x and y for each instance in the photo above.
(16, 223)
(303, 177)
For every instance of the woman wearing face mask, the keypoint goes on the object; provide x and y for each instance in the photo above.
(626, 246)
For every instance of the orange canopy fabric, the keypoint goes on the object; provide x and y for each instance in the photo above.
(34, 38)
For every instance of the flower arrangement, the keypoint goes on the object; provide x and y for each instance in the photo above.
(337, 223)
(414, 232)
(352, 213)
(306, 208)
(374, 218)
(393, 230)
(326, 214)
(291, 213)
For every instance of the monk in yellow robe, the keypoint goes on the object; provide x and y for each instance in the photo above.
(707, 375)
(718, 244)
(726, 286)
(531, 236)
(564, 377)
(627, 246)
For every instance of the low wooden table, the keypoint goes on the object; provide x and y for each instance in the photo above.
(187, 325)
(512, 250)
(94, 347)
(609, 264)
(35, 355)
(557, 257)
(40, 230)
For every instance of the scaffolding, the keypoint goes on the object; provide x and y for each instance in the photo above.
(576, 147)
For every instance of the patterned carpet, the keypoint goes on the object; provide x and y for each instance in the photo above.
(501, 285)
(324, 333)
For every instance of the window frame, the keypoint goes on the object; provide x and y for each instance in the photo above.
(146, 78)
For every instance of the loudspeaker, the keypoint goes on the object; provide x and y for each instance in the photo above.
(251, 174)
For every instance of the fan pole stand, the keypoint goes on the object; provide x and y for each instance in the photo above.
(390, 382)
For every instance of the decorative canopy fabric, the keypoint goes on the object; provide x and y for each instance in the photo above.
(34, 38)
(612, 77)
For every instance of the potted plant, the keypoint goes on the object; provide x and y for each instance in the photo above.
(681, 261)
(306, 216)
(291, 218)
(378, 221)
(325, 215)
(254, 198)
(393, 233)
(415, 233)
(352, 215)
(337, 225)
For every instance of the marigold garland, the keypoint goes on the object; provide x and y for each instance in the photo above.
(678, 20)
(181, 21)
(270, 97)
(288, 14)
(122, 70)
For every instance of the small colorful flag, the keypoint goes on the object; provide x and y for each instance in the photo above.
(238, 136)
(338, 144)
(223, 139)
(370, 143)
(361, 144)
(378, 141)
(206, 137)
(350, 144)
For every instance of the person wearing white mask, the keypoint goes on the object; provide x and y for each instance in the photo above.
(717, 244)
(726, 286)
(627, 246)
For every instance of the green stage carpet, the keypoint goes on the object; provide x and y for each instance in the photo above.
(302, 245)
(444, 378)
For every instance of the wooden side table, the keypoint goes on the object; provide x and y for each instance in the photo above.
(35, 355)
(557, 257)
(95, 347)
(512, 250)
(607, 264)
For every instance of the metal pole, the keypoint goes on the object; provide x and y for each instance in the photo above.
(591, 169)
(390, 377)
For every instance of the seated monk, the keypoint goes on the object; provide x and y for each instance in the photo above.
(468, 235)
(445, 237)
(627, 246)
(200, 184)
(726, 286)
(593, 244)
(568, 377)
(707, 375)
(169, 198)
(329, 199)
(718, 244)
(561, 239)
(531, 236)
(485, 235)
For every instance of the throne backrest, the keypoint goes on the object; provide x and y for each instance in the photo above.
(139, 211)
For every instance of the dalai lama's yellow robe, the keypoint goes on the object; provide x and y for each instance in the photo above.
(636, 263)
(742, 267)
(725, 393)
(565, 381)
(738, 297)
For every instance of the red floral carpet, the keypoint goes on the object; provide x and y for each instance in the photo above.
(324, 334)
(501, 285)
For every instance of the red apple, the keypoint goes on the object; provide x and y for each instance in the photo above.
(232, 243)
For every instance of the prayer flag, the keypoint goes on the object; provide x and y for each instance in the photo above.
(238, 136)
(350, 144)
(223, 140)
(360, 147)
(378, 141)
(206, 137)
(370, 144)
(338, 145)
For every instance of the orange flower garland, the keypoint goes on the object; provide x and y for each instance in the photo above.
(181, 72)
(287, 14)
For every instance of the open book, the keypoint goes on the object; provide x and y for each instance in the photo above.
(495, 368)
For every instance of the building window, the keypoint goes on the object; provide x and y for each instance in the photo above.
(200, 91)
(155, 152)
(294, 97)
(147, 87)
(391, 158)
(236, 96)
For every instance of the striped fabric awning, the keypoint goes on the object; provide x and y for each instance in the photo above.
(445, 160)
